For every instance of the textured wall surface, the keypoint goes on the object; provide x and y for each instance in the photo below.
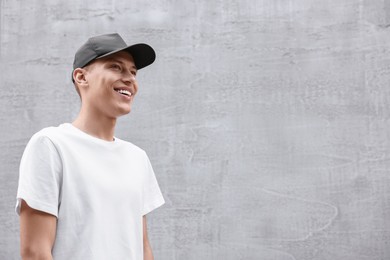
(267, 121)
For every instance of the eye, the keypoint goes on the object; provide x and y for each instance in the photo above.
(116, 66)
(134, 73)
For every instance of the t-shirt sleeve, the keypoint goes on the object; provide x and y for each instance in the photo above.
(40, 176)
(152, 197)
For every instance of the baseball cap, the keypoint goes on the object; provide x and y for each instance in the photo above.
(104, 45)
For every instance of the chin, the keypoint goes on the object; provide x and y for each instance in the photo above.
(122, 110)
(125, 111)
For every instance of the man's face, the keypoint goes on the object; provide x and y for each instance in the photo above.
(111, 85)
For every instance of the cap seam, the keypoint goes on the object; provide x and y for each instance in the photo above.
(94, 48)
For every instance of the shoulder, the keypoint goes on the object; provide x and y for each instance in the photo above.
(131, 148)
(48, 134)
(41, 141)
(40, 147)
(52, 136)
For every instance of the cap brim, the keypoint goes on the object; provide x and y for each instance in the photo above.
(142, 53)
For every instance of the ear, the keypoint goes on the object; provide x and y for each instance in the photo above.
(79, 77)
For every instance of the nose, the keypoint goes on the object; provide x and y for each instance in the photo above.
(128, 78)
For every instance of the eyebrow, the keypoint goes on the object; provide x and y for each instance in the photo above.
(121, 62)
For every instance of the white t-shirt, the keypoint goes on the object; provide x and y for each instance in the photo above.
(98, 190)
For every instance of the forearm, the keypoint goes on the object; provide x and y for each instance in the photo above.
(148, 254)
(37, 234)
(35, 251)
(29, 254)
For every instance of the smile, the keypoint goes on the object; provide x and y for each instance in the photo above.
(123, 92)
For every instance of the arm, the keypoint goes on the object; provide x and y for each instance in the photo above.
(148, 255)
(37, 233)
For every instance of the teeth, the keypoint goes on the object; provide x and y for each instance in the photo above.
(122, 91)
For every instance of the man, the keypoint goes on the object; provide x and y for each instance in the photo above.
(84, 193)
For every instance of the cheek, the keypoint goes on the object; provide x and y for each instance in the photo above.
(136, 86)
(103, 85)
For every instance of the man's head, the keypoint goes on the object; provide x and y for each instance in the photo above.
(104, 71)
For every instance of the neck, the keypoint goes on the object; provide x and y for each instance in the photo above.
(96, 125)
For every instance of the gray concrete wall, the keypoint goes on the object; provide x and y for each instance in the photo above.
(267, 121)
